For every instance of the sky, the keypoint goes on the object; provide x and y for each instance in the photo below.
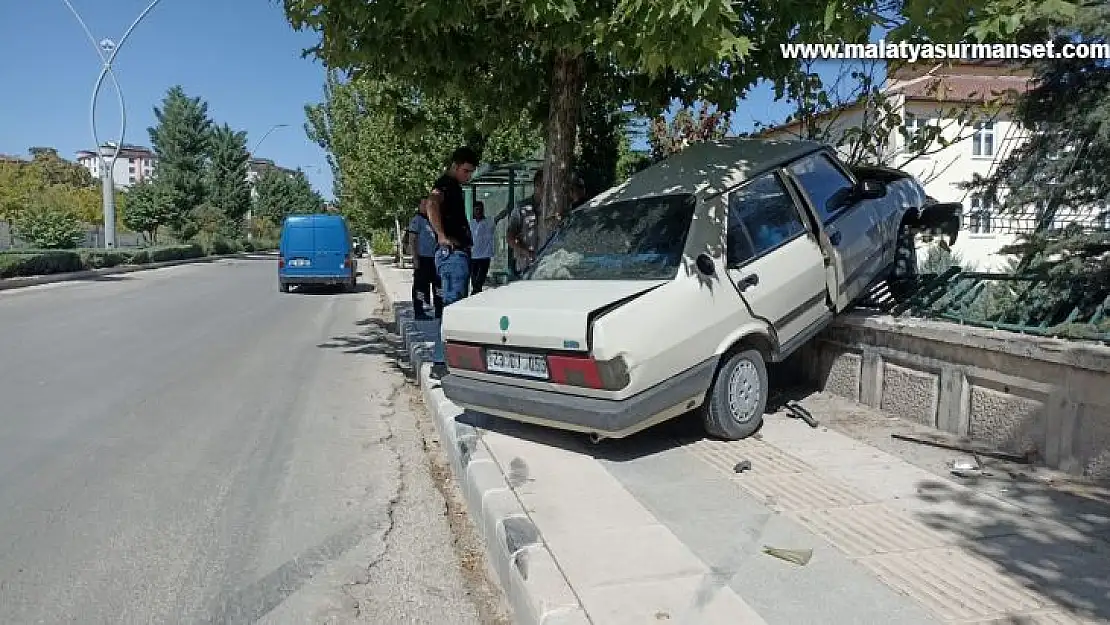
(240, 56)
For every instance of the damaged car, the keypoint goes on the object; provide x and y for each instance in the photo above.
(672, 291)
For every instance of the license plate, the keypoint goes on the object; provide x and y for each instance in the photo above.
(299, 262)
(530, 365)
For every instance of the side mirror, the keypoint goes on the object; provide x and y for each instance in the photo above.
(870, 190)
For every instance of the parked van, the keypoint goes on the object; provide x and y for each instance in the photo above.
(316, 249)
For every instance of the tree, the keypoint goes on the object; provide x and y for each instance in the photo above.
(387, 143)
(279, 194)
(150, 206)
(229, 191)
(1058, 172)
(181, 140)
(687, 126)
(49, 224)
(534, 56)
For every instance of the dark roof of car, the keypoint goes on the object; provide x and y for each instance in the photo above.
(708, 168)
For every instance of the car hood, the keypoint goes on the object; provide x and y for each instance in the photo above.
(539, 314)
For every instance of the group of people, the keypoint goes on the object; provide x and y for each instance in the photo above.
(451, 253)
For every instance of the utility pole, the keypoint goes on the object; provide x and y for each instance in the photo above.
(107, 50)
(250, 233)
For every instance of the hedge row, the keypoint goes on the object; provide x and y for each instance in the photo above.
(19, 263)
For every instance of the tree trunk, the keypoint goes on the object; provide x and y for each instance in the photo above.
(567, 81)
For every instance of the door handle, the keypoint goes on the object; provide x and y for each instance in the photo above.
(834, 238)
(748, 281)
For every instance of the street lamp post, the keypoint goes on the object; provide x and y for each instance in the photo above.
(107, 50)
(250, 233)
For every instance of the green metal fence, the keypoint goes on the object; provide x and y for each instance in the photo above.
(1035, 304)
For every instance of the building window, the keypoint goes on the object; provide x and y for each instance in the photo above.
(979, 218)
(982, 142)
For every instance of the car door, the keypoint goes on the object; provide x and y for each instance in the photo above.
(853, 230)
(775, 260)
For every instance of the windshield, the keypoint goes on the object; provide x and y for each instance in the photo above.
(631, 240)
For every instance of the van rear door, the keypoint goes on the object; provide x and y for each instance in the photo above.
(298, 247)
(332, 246)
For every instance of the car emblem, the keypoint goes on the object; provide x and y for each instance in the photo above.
(504, 324)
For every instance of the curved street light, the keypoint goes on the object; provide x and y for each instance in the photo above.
(250, 233)
(107, 50)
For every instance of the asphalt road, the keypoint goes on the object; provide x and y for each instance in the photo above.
(188, 445)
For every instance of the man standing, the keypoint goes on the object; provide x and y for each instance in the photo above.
(446, 209)
(425, 282)
(523, 230)
(482, 231)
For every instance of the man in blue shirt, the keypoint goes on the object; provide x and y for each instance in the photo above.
(481, 230)
(425, 281)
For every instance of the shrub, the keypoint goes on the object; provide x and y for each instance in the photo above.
(50, 227)
(100, 258)
(39, 262)
(381, 243)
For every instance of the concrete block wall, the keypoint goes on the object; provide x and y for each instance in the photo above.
(1023, 394)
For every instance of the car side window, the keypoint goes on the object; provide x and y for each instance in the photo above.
(824, 183)
(761, 216)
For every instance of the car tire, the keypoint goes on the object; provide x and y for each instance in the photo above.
(283, 287)
(351, 286)
(734, 407)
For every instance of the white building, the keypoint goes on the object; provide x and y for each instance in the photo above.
(971, 104)
(135, 163)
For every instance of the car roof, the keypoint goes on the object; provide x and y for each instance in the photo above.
(708, 168)
(318, 219)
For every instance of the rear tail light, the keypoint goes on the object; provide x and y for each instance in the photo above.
(464, 357)
(281, 263)
(584, 371)
(347, 261)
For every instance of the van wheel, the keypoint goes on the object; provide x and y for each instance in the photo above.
(351, 286)
(738, 397)
(283, 287)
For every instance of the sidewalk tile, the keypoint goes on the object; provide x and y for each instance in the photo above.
(869, 529)
(692, 600)
(628, 554)
(955, 585)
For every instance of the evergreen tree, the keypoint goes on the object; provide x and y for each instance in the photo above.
(181, 139)
(1061, 169)
(228, 190)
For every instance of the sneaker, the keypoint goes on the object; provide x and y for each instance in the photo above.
(439, 371)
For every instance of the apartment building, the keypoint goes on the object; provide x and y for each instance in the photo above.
(135, 163)
(971, 107)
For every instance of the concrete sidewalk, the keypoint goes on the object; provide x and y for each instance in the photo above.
(659, 528)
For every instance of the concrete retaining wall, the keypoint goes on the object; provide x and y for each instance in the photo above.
(1021, 394)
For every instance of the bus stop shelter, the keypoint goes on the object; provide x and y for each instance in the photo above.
(500, 187)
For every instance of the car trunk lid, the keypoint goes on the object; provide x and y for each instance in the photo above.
(541, 314)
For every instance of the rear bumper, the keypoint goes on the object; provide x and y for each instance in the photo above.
(315, 279)
(605, 417)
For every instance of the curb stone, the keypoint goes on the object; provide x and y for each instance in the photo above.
(25, 281)
(533, 583)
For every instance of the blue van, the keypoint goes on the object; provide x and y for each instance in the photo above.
(316, 249)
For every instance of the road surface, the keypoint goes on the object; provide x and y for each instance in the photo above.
(188, 445)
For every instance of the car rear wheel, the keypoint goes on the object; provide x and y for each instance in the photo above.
(738, 397)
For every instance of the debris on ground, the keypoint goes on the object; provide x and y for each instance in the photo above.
(743, 465)
(801, 557)
(967, 467)
(795, 410)
(964, 446)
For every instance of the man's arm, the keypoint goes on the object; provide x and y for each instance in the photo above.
(432, 204)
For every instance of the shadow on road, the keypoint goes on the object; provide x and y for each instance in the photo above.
(361, 287)
(1057, 545)
(377, 337)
